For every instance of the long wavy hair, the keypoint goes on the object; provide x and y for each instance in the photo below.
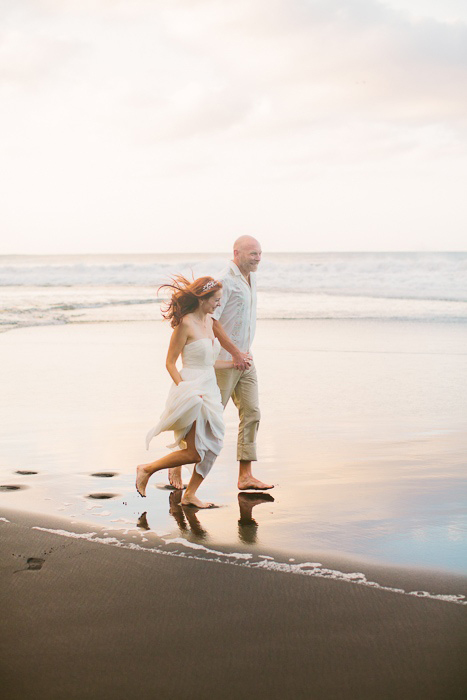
(186, 296)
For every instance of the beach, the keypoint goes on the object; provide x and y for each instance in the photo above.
(87, 620)
(294, 169)
(348, 579)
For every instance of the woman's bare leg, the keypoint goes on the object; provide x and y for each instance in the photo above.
(189, 497)
(174, 459)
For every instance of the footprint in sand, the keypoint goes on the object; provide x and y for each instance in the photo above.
(106, 475)
(102, 496)
(11, 487)
(34, 563)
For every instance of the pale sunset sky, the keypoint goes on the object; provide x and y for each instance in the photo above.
(145, 126)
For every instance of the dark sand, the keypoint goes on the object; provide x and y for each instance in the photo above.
(90, 621)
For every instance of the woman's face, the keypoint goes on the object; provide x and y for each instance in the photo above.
(210, 304)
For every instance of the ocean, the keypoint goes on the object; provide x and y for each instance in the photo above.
(63, 289)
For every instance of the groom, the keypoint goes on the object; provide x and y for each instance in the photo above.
(234, 323)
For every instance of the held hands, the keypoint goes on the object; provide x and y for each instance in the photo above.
(242, 360)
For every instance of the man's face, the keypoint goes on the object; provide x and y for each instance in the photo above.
(249, 256)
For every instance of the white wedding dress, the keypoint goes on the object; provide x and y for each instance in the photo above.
(196, 398)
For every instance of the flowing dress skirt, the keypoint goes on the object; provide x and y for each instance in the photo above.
(196, 398)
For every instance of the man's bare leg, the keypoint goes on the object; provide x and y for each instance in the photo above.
(246, 480)
(175, 477)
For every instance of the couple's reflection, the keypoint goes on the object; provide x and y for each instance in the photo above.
(188, 522)
(185, 516)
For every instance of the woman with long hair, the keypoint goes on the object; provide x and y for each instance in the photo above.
(194, 408)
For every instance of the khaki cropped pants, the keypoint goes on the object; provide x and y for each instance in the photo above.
(242, 387)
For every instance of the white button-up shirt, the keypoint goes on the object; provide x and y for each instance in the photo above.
(237, 311)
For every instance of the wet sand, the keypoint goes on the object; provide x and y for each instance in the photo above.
(84, 620)
(362, 433)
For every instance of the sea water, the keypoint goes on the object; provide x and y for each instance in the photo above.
(43, 290)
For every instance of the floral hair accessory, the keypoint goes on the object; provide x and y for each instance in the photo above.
(209, 285)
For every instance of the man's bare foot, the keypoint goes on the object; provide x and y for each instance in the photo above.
(142, 478)
(249, 482)
(175, 477)
(195, 502)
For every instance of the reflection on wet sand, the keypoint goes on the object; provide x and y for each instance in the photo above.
(247, 525)
(189, 523)
(182, 514)
(143, 521)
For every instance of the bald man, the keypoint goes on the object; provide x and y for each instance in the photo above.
(234, 323)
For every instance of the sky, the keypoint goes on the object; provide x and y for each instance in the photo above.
(145, 126)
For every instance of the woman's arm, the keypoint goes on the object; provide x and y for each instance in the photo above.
(241, 359)
(177, 343)
(224, 364)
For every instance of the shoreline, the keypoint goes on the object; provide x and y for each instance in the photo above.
(440, 586)
(455, 321)
(84, 620)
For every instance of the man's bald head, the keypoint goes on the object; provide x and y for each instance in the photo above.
(247, 254)
(245, 242)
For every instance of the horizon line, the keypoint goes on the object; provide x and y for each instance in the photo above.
(223, 253)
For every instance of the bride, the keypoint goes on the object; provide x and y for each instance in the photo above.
(194, 408)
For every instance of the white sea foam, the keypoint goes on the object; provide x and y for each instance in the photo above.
(313, 569)
(193, 545)
(415, 275)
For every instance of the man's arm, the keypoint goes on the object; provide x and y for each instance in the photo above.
(240, 359)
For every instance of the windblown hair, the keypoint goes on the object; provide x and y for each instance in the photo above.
(186, 296)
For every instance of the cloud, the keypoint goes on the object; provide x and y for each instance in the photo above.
(365, 61)
(263, 66)
(120, 110)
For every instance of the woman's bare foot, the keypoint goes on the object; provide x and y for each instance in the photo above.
(193, 501)
(175, 477)
(142, 478)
